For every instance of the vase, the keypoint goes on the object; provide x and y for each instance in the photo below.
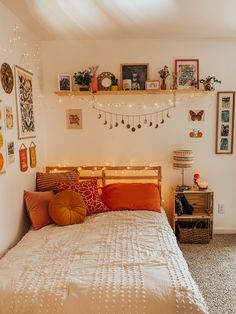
(163, 84)
(94, 83)
(114, 88)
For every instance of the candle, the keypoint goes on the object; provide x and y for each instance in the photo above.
(203, 185)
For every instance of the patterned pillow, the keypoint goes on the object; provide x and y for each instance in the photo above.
(47, 181)
(89, 191)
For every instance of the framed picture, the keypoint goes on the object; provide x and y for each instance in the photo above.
(137, 73)
(24, 103)
(152, 84)
(74, 119)
(187, 73)
(64, 82)
(225, 122)
(11, 152)
(9, 117)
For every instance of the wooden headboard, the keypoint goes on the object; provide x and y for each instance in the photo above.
(110, 174)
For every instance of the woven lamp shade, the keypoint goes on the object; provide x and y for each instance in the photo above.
(182, 159)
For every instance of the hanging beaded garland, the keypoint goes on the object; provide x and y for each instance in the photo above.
(133, 122)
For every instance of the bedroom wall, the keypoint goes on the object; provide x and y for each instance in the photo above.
(96, 144)
(13, 221)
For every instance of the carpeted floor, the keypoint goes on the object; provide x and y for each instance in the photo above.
(213, 266)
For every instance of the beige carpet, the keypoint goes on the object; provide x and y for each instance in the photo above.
(213, 266)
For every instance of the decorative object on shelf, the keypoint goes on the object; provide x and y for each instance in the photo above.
(196, 115)
(64, 83)
(133, 122)
(23, 158)
(2, 141)
(152, 85)
(32, 154)
(137, 73)
(105, 81)
(164, 73)
(225, 122)
(209, 82)
(114, 86)
(9, 117)
(10, 152)
(187, 72)
(196, 176)
(74, 119)
(7, 79)
(195, 133)
(94, 82)
(24, 101)
(203, 185)
(182, 159)
(174, 81)
(83, 79)
(127, 84)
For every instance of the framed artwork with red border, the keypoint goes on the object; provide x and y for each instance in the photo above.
(187, 73)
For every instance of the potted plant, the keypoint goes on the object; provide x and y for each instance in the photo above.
(114, 86)
(83, 79)
(164, 73)
(209, 82)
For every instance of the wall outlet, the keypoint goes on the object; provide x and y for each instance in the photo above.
(221, 209)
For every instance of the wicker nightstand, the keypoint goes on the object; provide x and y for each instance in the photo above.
(198, 227)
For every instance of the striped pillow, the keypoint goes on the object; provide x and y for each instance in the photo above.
(47, 181)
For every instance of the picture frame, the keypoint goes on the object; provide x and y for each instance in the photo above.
(225, 122)
(2, 140)
(73, 119)
(152, 85)
(138, 74)
(64, 83)
(24, 103)
(187, 73)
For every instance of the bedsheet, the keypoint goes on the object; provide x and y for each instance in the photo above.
(116, 262)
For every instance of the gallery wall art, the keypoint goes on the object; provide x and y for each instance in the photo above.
(24, 102)
(74, 119)
(9, 117)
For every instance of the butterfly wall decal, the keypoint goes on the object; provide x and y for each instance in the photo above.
(196, 116)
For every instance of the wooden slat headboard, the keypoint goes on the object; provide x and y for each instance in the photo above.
(109, 174)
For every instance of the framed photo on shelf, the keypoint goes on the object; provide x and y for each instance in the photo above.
(64, 83)
(24, 103)
(225, 122)
(152, 84)
(137, 73)
(187, 73)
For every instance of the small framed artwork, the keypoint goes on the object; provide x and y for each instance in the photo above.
(196, 115)
(187, 73)
(11, 152)
(64, 83)
(137, 73)
(2, 141)
(225, 122)
(9, 117)
(152, 85)
(74, 119)
(24, 103)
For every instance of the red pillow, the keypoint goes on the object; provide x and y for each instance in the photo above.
(132, 196)
(89, 191)
(36, 204)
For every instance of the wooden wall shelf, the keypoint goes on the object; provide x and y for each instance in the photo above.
(132, 92)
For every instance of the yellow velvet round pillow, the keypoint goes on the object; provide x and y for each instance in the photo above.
(67, 208)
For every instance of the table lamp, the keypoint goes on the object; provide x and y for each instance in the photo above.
(183, 159)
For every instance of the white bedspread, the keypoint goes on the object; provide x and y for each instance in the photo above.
(117, 262)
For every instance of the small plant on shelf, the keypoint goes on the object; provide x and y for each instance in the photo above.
(114, 81)
(209, 82)
(83, 79)
(164, 73)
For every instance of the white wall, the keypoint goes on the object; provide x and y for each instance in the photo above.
(13, 222)
(95, 144)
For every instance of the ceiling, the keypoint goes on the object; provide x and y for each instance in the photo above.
(121, 19)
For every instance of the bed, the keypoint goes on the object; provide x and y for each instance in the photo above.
(114, 262)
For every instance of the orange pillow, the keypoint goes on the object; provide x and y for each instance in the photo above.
(67, 208)
(36, 204)
(120, 196)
